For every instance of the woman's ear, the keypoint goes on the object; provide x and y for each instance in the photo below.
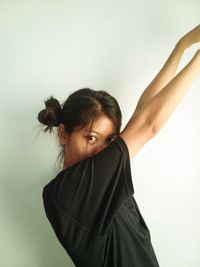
(62, 134)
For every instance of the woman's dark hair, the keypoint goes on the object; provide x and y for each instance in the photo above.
(81, 107)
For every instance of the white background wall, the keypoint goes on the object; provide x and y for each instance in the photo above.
(56, 47)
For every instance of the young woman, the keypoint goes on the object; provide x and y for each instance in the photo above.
(90, 203)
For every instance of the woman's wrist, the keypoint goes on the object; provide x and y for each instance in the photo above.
(190, 38)
(183, 44)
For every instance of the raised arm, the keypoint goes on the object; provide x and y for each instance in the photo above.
(169, 69)
(162, 105)
(148, 121)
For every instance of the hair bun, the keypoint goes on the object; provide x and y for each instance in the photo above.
(52, 115)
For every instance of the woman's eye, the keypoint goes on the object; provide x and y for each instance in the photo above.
(91, 138)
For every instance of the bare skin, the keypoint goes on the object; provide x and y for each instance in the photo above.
(159, 103)
(169, 69)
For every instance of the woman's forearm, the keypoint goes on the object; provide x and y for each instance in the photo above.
(162, 105)
(166, 73)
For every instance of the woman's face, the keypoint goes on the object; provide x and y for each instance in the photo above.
(83, 143)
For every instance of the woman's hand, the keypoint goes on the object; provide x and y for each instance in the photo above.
(191, 37)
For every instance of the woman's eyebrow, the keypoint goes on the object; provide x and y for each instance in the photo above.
(98, 132)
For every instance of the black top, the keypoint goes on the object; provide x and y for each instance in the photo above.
(94, 215)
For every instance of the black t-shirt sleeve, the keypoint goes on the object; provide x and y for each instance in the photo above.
(91, 191)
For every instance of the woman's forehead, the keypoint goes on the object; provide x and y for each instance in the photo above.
(101, 126)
